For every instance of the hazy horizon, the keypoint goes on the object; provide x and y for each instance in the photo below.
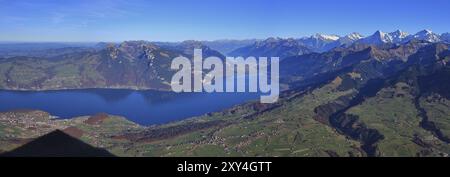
(209, 40)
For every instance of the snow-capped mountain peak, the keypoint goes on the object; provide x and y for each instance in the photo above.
(326, 37)
(318, 42)
(322, 42)
(378, 37)
(427, 35)
(398, 36)
(349, 39)
(426, 31)
(354, 36)
(385, 37)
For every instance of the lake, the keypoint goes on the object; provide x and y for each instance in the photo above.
(142, 107)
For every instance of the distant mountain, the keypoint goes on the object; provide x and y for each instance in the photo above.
(445, 37)
(187, 48)
(377, 38)
(349, 39)
(322, 43)
(28, 46)
(398, 36)
(57, 144)
(380, 37)
(341, 42)
(426, 35)
(43, 53)
(42, 49)
(223, 46)
(319, 42)
(102, 45)
(277, 47)
(227, 45)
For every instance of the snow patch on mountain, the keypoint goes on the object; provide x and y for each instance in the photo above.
(426, 35)
(326, 37)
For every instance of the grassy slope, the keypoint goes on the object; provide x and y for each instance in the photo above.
(438, 111)
(393, 113)
(288, 130)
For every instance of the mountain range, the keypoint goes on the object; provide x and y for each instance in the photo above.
(272, 47)
(321, 42)
(131, 64)
(382, 95)
(146, 65)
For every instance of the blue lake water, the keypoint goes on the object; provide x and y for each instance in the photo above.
(143, 107)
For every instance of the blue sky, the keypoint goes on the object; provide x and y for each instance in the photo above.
(175, 20)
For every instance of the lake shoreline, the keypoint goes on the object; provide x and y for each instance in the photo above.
(144, 107)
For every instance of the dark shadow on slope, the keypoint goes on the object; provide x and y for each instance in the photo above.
(57, 144)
